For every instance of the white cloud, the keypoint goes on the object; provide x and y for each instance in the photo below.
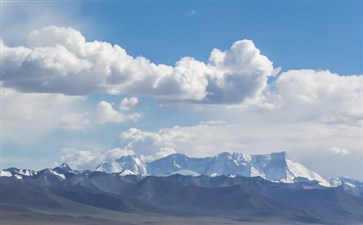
(310, 86)
(339, 151)
(115, 153)
(152, 144)
(305, 142)
(300, 140)
(128, 103)
(19, 18)
(148, 145)
(238, 73)
(79, 159)
(165, 151)
(29, 117)
(106, 113)
(315, 96)
(301, 111)
(86, 159)
(75, 121)
(58, 59)
(103, 113)
(26, 117)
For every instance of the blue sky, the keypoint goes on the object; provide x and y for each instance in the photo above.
(301, 39)
(293, 35)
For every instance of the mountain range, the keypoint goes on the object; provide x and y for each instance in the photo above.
(274, 166)
(229, 188)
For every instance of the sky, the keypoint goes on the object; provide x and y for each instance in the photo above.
(84, 82)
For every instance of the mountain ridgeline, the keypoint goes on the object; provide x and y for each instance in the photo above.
(274, 166)
(229, 188)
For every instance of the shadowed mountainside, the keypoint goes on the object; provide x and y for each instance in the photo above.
(252, 200)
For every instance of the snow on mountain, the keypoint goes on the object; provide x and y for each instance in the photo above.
(65, 167)
(130, 162)
(352, 186)
(277, 167)
(57, 173)
(186, 173)
(296, 170)
(274, 166)
(17, 173)
(126, 172)
(46, 173)
(65, 170)
(176, 162)
(5, 173)
(229, 163)
(341, 180)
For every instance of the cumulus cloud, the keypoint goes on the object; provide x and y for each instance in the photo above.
(58, 60)
(298, 111)
(307, 139)
(311, 86)
(148, 145)
(301, 140)
(103, 113)
(238, 73)
(19, 18)
(115, 153)
(78, 158)
(86, 159)
(339, 151)
(128, 103)
(165, 151)
(316, 96)
(153, 144)
(27, 117)
(75, 121)
(106, 113)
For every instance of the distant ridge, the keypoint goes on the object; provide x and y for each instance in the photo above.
(274, 167)
(60, 191)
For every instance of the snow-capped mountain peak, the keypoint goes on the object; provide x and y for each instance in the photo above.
(65, 167)
(352, 186)
(275, 166)
(130, 162)
(278, 167)
(17, 173)
(296, 170)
